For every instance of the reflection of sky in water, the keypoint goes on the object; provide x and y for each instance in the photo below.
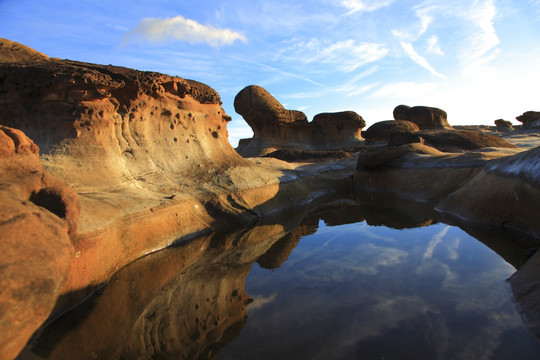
(361, 292)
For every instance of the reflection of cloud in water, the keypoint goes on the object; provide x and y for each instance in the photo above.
(345, 295)
(364, 258)
(259, 301)
(435, 240)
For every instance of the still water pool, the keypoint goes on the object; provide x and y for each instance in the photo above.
(356, 280)
(356, 291)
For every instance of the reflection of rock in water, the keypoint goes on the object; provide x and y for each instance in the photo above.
(280, 251)
(193, 318)
(184, 302)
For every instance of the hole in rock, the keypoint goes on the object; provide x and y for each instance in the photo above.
(51, 200)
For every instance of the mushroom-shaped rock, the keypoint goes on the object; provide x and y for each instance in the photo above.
(276, 129)
(260, 109)
(385, 130)
(400, 112)
(423, 116)
(503, 125)
(529, 119)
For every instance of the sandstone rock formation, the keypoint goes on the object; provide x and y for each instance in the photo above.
(11, 51)
(530, 119)
(385, 130)
(503, 125)
(36, 215)
(147, 155)
(423, 116)
(275, 128)
(400, 132)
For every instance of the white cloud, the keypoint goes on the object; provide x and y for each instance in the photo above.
(425, 20)
(180, 28)
(364, 6)
(405, 90)
(277, 70)
(485, 38)
(419, 59)
(349, 88)
(347, 55)
(433, 45)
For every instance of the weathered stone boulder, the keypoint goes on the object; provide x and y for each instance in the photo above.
(400, 112)
(339, 122)
(529, 119)
(385, 130)
(276, 128)
(503, 125)
(36, 215)
(423, 116)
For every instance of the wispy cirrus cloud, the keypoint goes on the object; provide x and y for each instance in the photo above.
(433, 45)
(350, 88)
(180, 28)
(415, 32)
(484, 39)
(276, 69)
(364, 5)
(405, 90)
(420, 60)
(346, 55)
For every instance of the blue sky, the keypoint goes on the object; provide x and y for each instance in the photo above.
(477, 59)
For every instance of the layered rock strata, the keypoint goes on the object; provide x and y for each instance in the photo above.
(276, 128)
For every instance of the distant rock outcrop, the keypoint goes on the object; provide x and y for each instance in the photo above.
(529, 119)
(275, 128)
(423, 116)
(400, 132)
(37, 214)
(503, 125)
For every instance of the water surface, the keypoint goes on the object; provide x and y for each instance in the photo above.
(370, 278)
(356, 291)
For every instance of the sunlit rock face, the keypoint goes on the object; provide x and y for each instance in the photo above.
(424, 116)
(128, 142)
(108, 126)
(275, 128)
(11, 51)
(36, 216)
(530, 119)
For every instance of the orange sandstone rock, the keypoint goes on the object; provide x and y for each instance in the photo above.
(35, 250)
